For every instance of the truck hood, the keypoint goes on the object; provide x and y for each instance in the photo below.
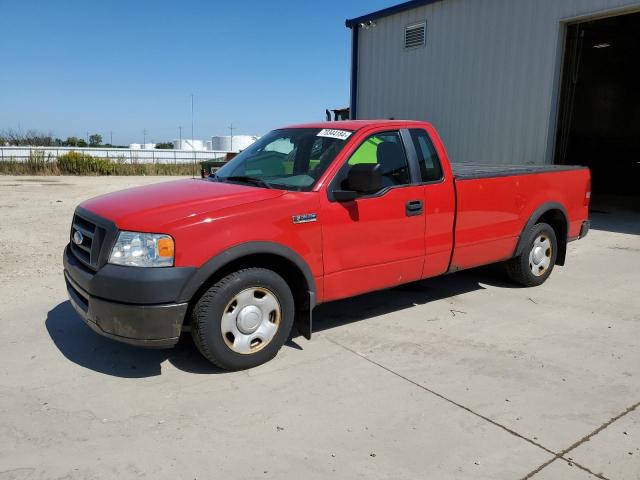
(152, 207)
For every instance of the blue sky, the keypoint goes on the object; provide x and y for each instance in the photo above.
(71, 67)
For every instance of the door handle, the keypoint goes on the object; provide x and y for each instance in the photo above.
(414, 207)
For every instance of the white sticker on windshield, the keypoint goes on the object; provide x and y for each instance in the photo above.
(333, 133)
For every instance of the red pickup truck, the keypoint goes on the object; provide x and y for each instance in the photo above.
(308, 214)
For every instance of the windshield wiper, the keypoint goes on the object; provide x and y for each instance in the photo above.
(245, 179)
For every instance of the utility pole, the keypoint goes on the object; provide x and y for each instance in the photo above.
(144, 137)
(111, 137)
(180, 136)
(192, 144)
(231, 128)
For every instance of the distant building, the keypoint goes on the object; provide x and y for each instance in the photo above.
(506, 81)
(236, 143)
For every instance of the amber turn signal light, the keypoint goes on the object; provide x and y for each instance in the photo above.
(165, 247)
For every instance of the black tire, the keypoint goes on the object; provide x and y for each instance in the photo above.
(519, 269)
(208, 312)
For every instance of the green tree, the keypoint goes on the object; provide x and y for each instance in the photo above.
(71, 142)
(95, 140)
(165, 145)
(81, 143)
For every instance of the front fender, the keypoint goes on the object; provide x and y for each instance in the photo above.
(237, 252)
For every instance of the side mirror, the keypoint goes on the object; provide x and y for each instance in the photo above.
(362, 179)
(344, 195)
(365, 178)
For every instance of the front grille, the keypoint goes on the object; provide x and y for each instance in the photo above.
(87, 239)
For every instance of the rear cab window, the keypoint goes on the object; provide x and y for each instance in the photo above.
(430, 167)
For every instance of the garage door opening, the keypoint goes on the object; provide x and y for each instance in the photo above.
(599, 116)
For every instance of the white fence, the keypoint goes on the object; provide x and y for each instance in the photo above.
(124, 155)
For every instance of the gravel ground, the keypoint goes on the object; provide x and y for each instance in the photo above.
(458, 377)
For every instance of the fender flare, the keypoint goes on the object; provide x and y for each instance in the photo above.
(219, 261)
(533, 219)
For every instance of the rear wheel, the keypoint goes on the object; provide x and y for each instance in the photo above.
(534, 265)
(244, 319)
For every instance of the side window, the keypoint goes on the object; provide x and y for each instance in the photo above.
(385, 149)
(430, 169)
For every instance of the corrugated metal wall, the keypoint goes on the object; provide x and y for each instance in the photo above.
(487, 78)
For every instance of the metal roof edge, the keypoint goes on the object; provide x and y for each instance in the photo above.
(385, 12)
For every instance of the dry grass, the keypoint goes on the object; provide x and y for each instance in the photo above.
(74, 163)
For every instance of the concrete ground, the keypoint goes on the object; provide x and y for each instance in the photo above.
(460, 377)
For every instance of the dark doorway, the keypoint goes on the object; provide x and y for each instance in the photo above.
(599, 117)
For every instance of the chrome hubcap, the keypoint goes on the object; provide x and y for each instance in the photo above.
(250, 320)
(540, 255)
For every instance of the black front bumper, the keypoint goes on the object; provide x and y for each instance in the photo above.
(138, 306)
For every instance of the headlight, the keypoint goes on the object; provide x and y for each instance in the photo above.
(143, 250)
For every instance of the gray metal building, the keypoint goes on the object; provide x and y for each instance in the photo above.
(506, 81)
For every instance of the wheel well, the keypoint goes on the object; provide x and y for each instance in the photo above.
(288, 270)
(557, 220)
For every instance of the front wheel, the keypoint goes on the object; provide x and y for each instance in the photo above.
(534, 265)
(244, 319)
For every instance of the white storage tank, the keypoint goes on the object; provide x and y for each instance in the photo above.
(135, 146)
(188, 144)
(149, 146)
(232, 144)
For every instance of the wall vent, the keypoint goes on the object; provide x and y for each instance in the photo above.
(414, 35)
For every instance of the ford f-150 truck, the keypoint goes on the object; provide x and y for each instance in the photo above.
(308, 214)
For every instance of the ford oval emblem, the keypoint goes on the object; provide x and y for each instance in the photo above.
(78, 238)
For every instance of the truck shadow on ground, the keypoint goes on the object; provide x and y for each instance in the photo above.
(363, 307)
(80, 345)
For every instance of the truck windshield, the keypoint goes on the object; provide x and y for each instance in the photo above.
(290, 159)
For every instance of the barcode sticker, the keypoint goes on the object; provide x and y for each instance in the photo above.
(333, 133)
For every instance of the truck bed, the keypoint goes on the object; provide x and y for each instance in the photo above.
(494, 203)
(472, 171)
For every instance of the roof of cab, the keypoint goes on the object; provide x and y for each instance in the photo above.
(353, 125)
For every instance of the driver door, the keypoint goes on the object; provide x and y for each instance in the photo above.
(377, 240)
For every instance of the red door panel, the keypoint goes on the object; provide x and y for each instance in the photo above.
(371, 243)
(440, 200)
